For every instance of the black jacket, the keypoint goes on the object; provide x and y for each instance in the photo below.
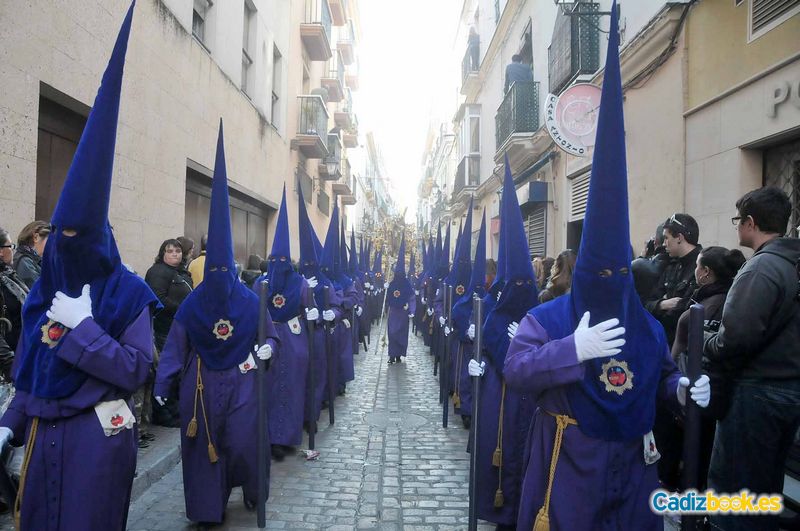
(676, 280)
(12, 296)
(28, 265)
(171, 285)
(759, 337)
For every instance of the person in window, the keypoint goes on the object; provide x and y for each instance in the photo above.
(13, 292)
(30, 246)
(517, 71)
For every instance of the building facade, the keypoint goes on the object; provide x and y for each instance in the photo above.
(269, 69)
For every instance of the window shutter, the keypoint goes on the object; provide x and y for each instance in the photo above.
(579, 195)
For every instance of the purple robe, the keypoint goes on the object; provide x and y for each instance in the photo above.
(231, 405)
(517, 413)
(397, 324)
(344, 336)
(598, 484)
(464, 379)
(78, 478)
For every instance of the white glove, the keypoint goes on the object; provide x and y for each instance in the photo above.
(328, 315)
(71, 312)
(471, 332)
(599, 341)
(424, 300)
(312, 282)
(359, 311)
(442, 321)
(446, 330)
(701, 391)
(512, 329)
(416, 292)
(312, 314)
(437, 292)
(264, 352)
(346, 323)
(367, 285)
(498, 294)
(385, 285)
(161, 400)
(429, 311)
(411, 316)
(474, 369)
(5, 437)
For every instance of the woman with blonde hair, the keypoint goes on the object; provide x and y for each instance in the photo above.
(560, 276)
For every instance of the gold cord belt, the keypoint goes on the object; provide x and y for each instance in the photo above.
(542, 522)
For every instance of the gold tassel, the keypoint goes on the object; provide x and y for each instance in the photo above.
(456, 401)
(542, 522)
(191, 429)
(497, 458)
(212, 453)
(499, 500)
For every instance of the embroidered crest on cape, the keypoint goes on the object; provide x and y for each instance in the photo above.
(52, 332)
(223, 329)
(616, 376)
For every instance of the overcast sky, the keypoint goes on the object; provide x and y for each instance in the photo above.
(406, 76)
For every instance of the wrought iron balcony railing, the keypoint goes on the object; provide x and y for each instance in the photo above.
(519, 111)
(468, 174)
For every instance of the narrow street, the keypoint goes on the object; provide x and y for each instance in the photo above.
(385, 464)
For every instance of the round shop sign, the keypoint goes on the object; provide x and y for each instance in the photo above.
(571, 118)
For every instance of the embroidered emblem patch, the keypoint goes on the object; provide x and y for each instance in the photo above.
(396, 293)
(116, 420)
(52, 332)
(223, 329)
(278, 301)
(459, 290)
(616, 376)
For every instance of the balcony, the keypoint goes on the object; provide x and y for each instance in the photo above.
(517, 125)
(344, 117)
(338, 12)
(469, 68)
(342, 185)
(330, 168)
(346, 43)
(315, 30)
(350, 136)
(575, 46)
(312, 126)
(351, 76)
(467, 176)
(333, 79)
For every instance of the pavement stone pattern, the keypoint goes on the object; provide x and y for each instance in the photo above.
(385, 464)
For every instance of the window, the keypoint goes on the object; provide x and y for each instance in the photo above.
(575, 46)
(536, 229)
(248, 35)
(323, 202)
(767, 14)
(579, 196)
(304, 180)
(782, 169)
(277, 68)
(199, 17)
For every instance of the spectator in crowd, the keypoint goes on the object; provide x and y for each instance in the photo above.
(756, 351)
(538, 271)
(172, 284)
(667, 302)
(647, 268)
(198, 265)
(253, 270)
(547, 270)
(671, 296)
(517, 71)
(491, 272)
(30, 247)
(561, 278)
(187, 246)
(714, 273)
(12, 296)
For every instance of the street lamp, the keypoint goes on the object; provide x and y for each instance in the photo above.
(331, 166)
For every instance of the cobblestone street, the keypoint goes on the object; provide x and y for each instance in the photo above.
(385, 464)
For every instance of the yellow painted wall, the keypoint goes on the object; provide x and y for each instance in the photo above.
(720, 56)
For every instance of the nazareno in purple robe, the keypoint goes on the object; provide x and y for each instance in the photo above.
(397, 323)
(286, 381)
(598, 484)
(517, 411)
(77, 477)
(344, 336)
(231, 405)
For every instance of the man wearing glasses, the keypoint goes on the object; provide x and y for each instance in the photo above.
(757, 352)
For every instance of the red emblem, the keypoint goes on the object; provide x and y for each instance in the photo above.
(116, 420)
(616, 376)
(459, 290)
(52, 332)
(396, 293)
(247, 365)
(223, 329)
(278, 301)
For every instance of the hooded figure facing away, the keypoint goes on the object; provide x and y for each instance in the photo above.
(401, 305)
(210, 347)
(596, 362)
(85, 347)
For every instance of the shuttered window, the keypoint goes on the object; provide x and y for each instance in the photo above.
(579, 195)
(536, 229)
(766, 14)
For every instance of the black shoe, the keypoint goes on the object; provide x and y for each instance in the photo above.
(278, 454)
(391, 361)
(466, 421)
(399, 359)
(143, 444)
(147, 436)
